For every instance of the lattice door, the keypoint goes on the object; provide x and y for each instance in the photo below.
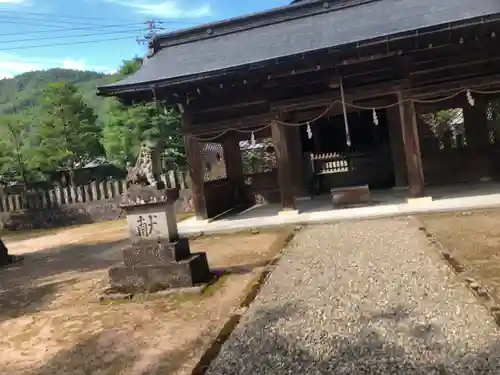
(214, 164)
(493, 118)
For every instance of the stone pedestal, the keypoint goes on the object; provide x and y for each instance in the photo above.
(157, 258)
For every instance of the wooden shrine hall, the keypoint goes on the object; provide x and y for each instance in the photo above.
(294, 101)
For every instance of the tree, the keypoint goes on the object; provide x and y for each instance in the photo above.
(131, 125)
(129, 67)
(15, 147)
(68, 133)
(127, 126)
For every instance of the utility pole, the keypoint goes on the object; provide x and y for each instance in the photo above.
(151, 30)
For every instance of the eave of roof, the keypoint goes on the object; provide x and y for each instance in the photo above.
(331, 28)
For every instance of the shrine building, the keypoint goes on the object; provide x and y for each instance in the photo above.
(294, 101)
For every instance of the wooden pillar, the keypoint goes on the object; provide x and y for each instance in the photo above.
(232, 157)
(234, 164)
(316, 130)
(411, 144)
(476, 124)
(296, 161)
(279, 134)
(477, 134)
(193, 156)
(397, 147)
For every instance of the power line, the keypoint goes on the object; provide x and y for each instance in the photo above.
(38, 20)
(64, 44)
(52, 16)
(64, 16)
(70, 36)
(72, 29)
(53, 27)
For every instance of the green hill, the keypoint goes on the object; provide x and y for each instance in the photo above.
(23, 93)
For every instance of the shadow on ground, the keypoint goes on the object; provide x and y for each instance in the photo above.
(28, 286)
(112, 353)
(267, 351)
(260, 347)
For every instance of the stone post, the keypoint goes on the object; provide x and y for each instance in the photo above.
(94, 191)
(102, 190)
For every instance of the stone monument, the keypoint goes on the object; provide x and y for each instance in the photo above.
(157, 258)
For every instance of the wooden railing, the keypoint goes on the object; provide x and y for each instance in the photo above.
(341, 163)
(333, 170)
(105, 190)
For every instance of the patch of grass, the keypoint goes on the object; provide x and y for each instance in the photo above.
(216, 286)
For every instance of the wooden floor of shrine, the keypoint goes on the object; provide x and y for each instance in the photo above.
(385, 203)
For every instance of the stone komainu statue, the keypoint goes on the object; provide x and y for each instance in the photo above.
(143, 180)
(147, 167)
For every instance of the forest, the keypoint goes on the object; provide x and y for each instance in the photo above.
(53, 121)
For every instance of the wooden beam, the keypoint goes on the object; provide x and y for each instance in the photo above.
(453, 51)
(483, 81)
(468, 65)
(464, 71)
(326, 98)
(307, 115)
(224, 107)
(208, 128)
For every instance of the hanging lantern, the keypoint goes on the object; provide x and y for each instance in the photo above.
(309, 131)
(252, 139)
(375, 117)
(470, 99)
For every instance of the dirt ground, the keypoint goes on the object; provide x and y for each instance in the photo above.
(473, 238)
(51, 322)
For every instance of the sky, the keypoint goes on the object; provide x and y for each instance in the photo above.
(98, 34)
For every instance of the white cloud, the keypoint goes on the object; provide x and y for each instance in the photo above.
(12, 65)
(11, 1)
(82, 65)
(165, 9)
(10, 68)
(73, 64)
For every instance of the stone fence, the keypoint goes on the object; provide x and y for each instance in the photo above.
(62, 206)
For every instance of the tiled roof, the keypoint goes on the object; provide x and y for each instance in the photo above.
(330, 27)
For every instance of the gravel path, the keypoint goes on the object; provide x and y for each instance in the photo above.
(368, 297)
